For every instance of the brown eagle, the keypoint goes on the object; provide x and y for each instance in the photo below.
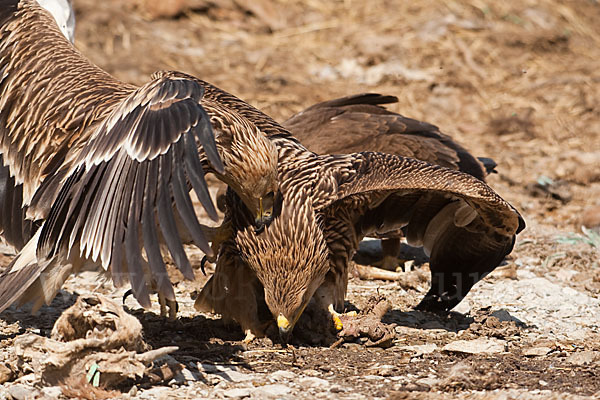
(333, 201)
(361, 123)
(97, 173)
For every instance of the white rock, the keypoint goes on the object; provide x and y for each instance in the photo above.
(313, 382)
(271, 391)
(282, 375)
(52, 392)
(237, 393)
(420, 349)
(226, 372)
(22, 392)
(537, 351)
(583, 357)
(477, 346)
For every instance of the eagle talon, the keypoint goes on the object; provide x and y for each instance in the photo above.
(126, 295)
(173, 306)
(337, 321)
(203, 263)
(250, 336)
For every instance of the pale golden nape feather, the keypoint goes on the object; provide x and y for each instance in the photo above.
(105, 168)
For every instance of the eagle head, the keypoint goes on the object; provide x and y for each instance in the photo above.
(290, 258)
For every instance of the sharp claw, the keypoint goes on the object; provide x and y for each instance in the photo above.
(202, 263)
(127, 294)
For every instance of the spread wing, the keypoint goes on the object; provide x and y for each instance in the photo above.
(126, 188)
(360, 123)
(106, 168)
(463, 225)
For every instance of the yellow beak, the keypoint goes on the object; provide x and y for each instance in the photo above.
(283, 323)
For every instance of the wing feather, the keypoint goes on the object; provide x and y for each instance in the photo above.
(109, 191)
(361, 123)
(167, 221)
(465, 227)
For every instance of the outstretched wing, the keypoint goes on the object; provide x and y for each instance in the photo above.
(463, 225)
(360, 123)
(127, 188)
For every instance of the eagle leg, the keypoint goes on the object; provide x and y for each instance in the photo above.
(217, 235)
(170, 304)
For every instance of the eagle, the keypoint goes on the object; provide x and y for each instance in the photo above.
(328, 203)
(360, 122)
(96, 173)
(368, 126)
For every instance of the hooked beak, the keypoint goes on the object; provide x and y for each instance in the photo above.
(264, 216)
(285, 328)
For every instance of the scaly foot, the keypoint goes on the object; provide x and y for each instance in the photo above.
(172, 305)
(337, 321)
(217, 235)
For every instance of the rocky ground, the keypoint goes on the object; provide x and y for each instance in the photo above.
(516, 81)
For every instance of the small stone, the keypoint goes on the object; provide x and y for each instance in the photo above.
(282, 376)
(133, 391)
(226, 372)
(583, 357)
(6, 374)
(382, 370)
(420, 349)
(22, 392)
(311, 372)
(477, 346)
(271, 391)
(52, 392)
(429, 382)
(536, 351)
(373, 378)
(237, 393)
(313, 382)
(337, 389)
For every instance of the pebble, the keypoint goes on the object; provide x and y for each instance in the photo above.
(6, 374)
(22, 392)
(157, 392)
(271, 391)
(583, 357)
(420, 349)
(536, 351)
(313, 382)
(591, 217)
(52, 392)
(429, 382)
(282, 375)
(477, 346)
(237, 393)
(226, 372)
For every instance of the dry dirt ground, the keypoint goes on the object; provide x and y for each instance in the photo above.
(518, 81)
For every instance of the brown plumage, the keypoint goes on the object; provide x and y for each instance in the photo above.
(463, 225)
(105, 168)
(361, 123)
